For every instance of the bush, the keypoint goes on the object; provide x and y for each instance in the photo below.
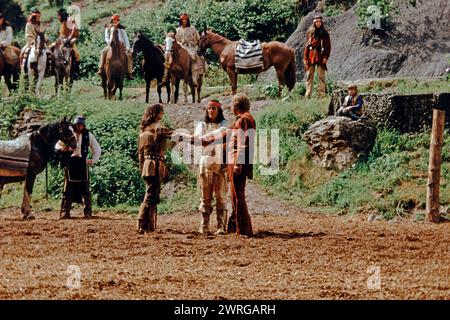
(13, 13)
(376, 14)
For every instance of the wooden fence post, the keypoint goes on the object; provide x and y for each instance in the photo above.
(434, 165)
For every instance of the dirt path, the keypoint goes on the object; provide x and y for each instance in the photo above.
(294, 254)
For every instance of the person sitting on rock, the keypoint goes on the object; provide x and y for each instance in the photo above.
(353, 104)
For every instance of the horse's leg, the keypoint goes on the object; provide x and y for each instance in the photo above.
(26, 201)
(56, 82)
(158, 88)
(185, 89)
(120, 88)
(233, 79)
(147, 88)
(199, 88)
(168, 91)
(281, 81)
(177, 89)
(1, 188)
(41, 74)
(105, 93)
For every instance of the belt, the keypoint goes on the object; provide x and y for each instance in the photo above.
(154, 156)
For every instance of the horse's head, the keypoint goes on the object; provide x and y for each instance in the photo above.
(137, 42)
(65, 133)
(39, 43)
(204, 43)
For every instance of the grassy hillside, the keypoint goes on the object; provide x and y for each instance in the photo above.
(390, 182)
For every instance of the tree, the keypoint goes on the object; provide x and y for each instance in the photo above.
(13, 13)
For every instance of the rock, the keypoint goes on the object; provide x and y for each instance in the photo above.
(415, 46)
(28, 121)
(337, 142)
(405, 113)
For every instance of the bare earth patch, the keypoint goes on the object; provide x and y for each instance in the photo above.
(294, 255)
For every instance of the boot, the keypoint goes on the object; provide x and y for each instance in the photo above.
(143, 218)
(221, 221)
(204, 226)
(152, 219)
(65, 208)
(165, 78)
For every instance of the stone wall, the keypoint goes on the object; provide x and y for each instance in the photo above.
(406, 113)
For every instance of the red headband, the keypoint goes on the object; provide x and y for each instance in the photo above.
(215, 104)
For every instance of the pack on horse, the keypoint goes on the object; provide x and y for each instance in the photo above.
(153, 64)
(24, 158)
(115, 68)
(36, 63)
(180, 68)
(274, 53)
(63, 63)
(10, 68)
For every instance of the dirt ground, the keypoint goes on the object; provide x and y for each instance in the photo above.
(294, 254)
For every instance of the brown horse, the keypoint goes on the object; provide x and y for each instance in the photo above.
(180, 69)
(41, 151)
(275, 54)
(10, 68)
(115, 68)
(63, 62)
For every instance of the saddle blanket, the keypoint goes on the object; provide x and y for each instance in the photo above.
(248, 55)
(15, 156)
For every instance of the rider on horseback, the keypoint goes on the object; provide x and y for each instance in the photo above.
(69, 30)
(189, 38)
(115, 23)
(11, 53)
(32, 28)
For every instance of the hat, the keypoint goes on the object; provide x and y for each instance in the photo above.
(79, 120)
(35, 10)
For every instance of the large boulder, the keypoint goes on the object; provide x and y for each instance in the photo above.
(405, 113)
(416, 46)
(337, 142)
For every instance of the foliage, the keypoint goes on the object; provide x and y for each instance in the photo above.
(370, 12)
(13, 13)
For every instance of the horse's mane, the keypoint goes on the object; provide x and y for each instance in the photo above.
(55, 158)
(150, 47)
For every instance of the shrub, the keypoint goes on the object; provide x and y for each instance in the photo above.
(376, 14)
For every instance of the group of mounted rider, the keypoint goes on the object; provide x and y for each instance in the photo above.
(27, 60)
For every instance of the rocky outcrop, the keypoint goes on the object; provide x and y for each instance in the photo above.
(28, 121)
(405, 113)
(416, 46)
(337, 142)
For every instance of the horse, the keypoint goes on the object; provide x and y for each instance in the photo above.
(37, 63)
(42, 150)
(181, 69)
(63, 62)
(8, 69)
(275, 54)
(115, 68)
(153, 63)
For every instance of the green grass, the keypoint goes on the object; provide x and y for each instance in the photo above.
(391, 181)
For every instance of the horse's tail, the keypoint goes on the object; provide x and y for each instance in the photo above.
(290, 73)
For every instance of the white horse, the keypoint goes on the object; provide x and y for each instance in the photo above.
(37, 62)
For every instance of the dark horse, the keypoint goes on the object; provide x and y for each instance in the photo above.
(8, 69)
(153, 63)
(63, 62)
(275, 54)
(42, 150)
(115, 68)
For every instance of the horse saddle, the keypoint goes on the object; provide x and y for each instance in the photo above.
(15, 156)
(248, 55)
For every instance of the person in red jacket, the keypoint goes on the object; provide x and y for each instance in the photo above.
(316, 54)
